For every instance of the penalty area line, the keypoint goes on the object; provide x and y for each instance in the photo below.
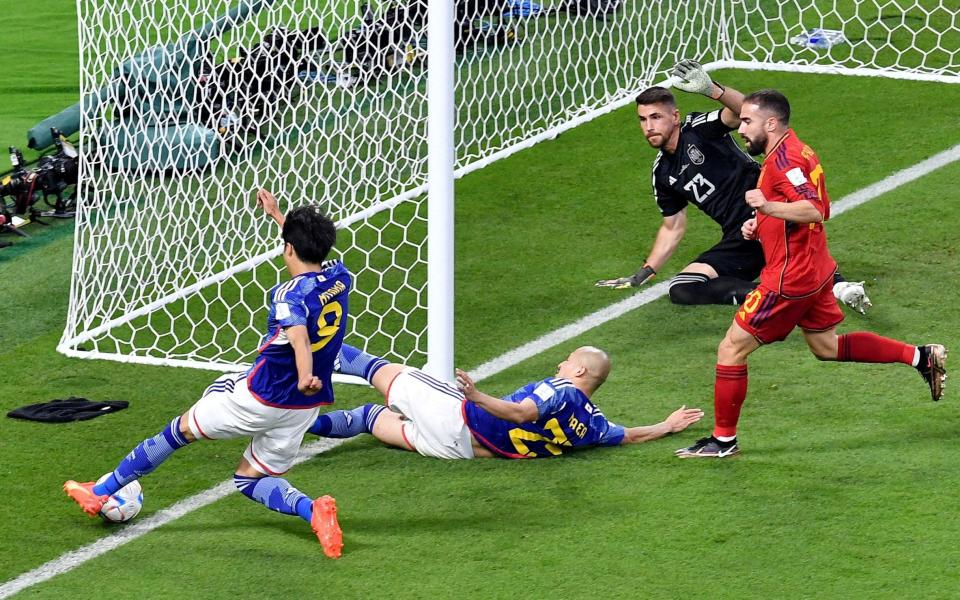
(75, 558)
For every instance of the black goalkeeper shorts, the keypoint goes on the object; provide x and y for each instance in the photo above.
(735, 257)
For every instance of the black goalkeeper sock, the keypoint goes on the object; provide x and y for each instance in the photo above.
(837, 277)
(730, 290)
(696, 288)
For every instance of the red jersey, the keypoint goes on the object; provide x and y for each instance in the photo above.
(798, 261)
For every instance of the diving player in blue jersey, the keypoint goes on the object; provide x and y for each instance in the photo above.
(277, 399)
(541, 419)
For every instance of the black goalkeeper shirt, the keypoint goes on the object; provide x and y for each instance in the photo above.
(709, 170)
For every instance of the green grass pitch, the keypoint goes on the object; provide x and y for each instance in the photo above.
(848, 480)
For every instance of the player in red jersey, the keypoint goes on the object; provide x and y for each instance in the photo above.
(791, 206)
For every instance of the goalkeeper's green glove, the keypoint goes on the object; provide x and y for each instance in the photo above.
(692, 78)
(636, 280)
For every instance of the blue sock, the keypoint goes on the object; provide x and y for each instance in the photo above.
(276, 494)
(143, 459)
(347, 423)
(353, 361)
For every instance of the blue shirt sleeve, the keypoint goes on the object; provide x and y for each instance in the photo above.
(289, 308)
(612, 434)
(550, 396)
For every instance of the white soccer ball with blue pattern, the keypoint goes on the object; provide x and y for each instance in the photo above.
(125, 504)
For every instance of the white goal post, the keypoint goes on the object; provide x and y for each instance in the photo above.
(189, 106)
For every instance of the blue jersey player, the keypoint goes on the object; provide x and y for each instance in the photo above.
(541, 419)
(277, 399)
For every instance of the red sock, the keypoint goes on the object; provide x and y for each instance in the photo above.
(867, 347)
(729, 392)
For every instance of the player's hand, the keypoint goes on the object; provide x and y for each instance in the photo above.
(853, 295)
(692, 78)
(619, 283)
(309, 386)
(465, 384)
(749, 229)
(757, 201)
(268, 203)
(682, 418)
(639, 278)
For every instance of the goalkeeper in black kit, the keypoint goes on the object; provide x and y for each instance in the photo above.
(699, 163)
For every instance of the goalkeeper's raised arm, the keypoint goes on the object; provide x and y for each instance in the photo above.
(689, 76)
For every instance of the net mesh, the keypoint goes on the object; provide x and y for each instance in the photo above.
(895, 37)
(190, 106)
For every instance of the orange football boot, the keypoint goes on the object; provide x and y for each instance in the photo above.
(325, 525)
(82, 494)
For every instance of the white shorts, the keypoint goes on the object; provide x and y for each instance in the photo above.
(434, 422)
(228, 410)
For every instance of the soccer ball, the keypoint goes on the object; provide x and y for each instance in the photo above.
(123, 505)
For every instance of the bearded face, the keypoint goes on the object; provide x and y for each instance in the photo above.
(756, 144)
(658, 123)
(753, 128)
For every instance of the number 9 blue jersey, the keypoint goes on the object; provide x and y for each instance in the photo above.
(318, 301)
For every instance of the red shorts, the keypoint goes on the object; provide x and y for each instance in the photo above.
(771, 318)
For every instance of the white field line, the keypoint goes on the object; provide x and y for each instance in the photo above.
(894, 181)
(508, 359)
(75, 558)
(521, 353)
(138, 528)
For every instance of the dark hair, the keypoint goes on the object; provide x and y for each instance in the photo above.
(310, 232)
(771, 101)
(656, 95)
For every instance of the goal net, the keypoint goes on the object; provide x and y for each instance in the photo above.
(189, 106)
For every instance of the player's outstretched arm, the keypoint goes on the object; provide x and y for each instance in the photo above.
(515, 412)
(678, 420)
(268, 203)
(669, 235)
(691, 77)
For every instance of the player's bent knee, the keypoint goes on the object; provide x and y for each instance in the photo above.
(689, 287)
(388, 428)
(726, 352)
(823, 345)
(735, 350)
(185, 428)
(684, 293)
(245, 469)
(823, 354)
(385, 376)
